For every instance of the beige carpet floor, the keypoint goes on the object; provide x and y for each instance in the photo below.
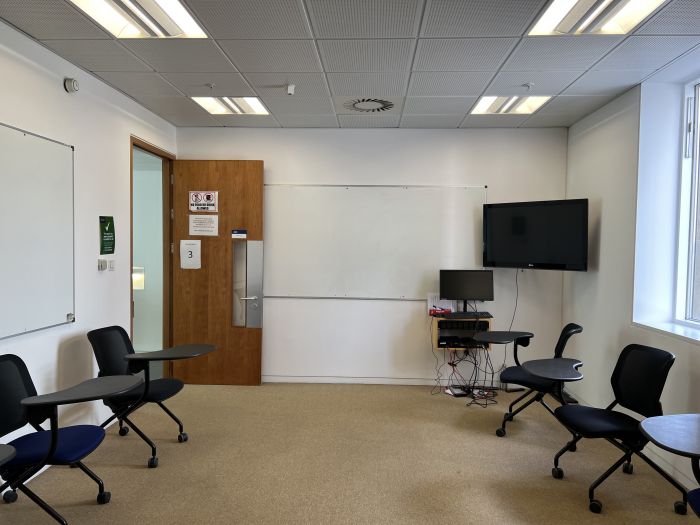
(346, 454)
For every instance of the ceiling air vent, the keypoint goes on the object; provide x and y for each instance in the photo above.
(368, 105)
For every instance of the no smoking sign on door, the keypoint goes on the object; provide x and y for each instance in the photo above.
(204, 201)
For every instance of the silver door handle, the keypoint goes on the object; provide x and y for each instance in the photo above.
(254, 298)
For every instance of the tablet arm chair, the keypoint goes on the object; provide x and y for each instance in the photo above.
(637, 382)
(537, 387)
(58, 446)
(110, 345)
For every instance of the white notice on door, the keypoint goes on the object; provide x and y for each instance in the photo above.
(190, 254)
(204, 225)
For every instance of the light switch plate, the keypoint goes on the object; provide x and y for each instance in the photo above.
(101, 265)
(112, 265)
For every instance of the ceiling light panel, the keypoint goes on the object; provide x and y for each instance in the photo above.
(602, 17)
(508, 105)
(232, 105)
(142, 18)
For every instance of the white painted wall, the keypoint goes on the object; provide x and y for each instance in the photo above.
(388, 341)
(603, 166)
(98, 122)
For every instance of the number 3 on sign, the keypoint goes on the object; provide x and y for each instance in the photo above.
(190, 254)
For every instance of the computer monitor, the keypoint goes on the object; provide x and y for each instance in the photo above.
(466, 285)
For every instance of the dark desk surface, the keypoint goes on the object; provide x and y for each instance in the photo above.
(502, 338)
(6, 453)
(90, 390)
(171, 354)
(555, 369)
(677, 433)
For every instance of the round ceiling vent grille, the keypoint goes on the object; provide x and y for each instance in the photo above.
(368, 105)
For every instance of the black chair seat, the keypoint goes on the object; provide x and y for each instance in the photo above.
(159, 391)
(591, 422)
(519, 376)
(73, 444)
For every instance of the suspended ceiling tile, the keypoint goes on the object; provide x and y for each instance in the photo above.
(574, 106)
(247, 121)
(606, 82)
(181, 111)
(252, 18)
(462, 54)
(369, 121)
(368, 84)
(647, 52)
(366, 55)
(465, 18)
(543, 82)
(341, 105)
(185, 55)
(448, 84)
(97, 55)
(50, 19)
(555, 53)
(195, 84)
(139, 84)
(307, 85)
(493, 121)
(549, 121)
(308, 121)
(295, 105)
(438, 105)
(431, 121)
(681, 17)
(365, 18)
(270, 56)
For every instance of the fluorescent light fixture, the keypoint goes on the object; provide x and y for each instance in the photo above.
(595, 17)
(514, 105)
(232, 105)
(142, 18)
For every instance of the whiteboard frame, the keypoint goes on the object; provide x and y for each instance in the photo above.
(72, 177)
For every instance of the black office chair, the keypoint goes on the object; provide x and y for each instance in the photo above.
(110, 345)
(537, 387)
(58, 446)
(637, 382)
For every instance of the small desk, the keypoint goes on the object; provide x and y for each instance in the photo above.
(504, 338)
(171, 354)
(559, 369)
(90, 390)
(678, 434)
(6, 453)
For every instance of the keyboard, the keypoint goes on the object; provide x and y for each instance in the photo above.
(467, 315)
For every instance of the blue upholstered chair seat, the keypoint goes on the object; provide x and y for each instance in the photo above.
(593, 422)
(74, 443)
(517, 375)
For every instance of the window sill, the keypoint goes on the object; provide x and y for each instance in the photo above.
(677, 330)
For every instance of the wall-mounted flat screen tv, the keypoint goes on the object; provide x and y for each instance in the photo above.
(546, 235)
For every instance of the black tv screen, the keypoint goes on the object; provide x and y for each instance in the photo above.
(547, 235)
(466, 285)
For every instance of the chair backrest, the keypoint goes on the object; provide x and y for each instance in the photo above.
(15, 385)
(566, 333)
(639, 378)
(110, 345)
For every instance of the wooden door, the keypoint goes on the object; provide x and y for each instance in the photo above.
(203, 298)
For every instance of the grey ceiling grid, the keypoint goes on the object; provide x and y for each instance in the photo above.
(432, 58)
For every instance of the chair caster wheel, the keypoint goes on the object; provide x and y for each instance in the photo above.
(557, 473)
(595, 506)
(572, 447)
(500, 432)
(104, 497)
(9, 496)
(627, 468)
(182, 437)
(123, 431)
(680, 508)
(153, 463)
(508, 416)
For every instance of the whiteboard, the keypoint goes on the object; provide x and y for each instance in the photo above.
(36, 232)
(375, 242)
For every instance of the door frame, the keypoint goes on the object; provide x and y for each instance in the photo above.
(167, 158)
